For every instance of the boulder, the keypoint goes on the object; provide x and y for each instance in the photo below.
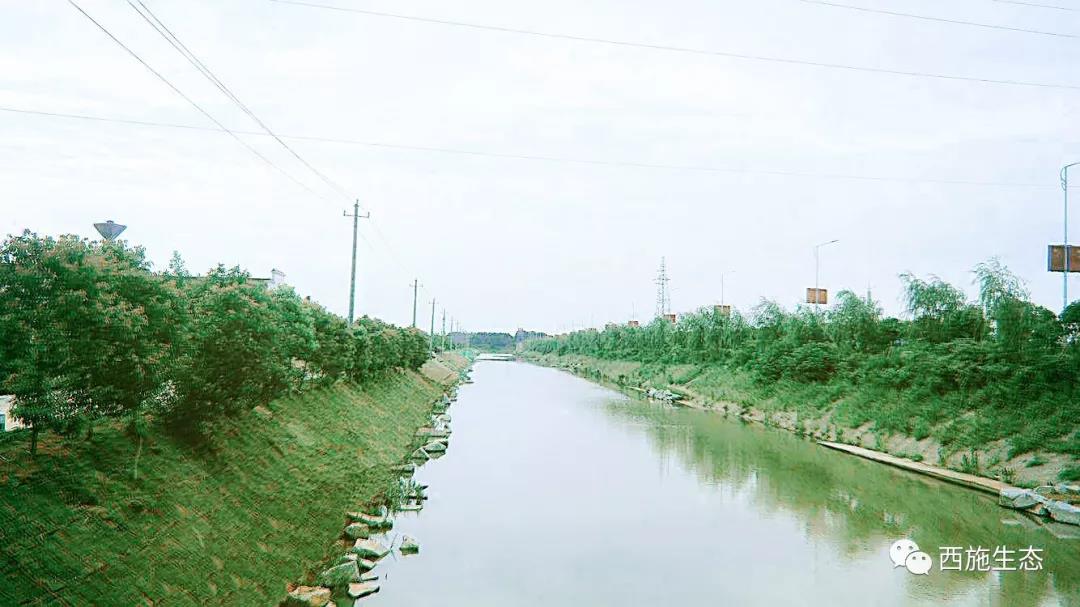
(362, 589)
(407, 469)
(357, 531)
(370, 549)
(364, 565)
(411, 508)
(368, 576)
(348, 557)
(1015, 497)
(371, 520)
(308, 596)
(409, 545)
(1063, 512)
(339, 575)
(434, 447)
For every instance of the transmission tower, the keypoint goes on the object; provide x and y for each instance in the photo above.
(663, 297)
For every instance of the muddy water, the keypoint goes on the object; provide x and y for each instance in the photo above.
(556, 491)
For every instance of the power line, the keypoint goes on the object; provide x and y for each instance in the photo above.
(940, 19)
(176, 90)
(181, 48)
(558, 159)
(1037, 5)
(681, 49)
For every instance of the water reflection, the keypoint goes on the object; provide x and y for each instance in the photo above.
(860, 507)
(558, 492)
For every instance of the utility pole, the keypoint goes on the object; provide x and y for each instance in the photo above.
(415, 291)
(432, 334)
(352, 276)
(444, 329)
(663, 298)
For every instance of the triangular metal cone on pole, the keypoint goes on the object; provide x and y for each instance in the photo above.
(110, 229)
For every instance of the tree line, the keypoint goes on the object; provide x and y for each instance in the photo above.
(1012, 361)
(88, 332)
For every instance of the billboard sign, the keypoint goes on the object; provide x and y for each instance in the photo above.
(1055, 258)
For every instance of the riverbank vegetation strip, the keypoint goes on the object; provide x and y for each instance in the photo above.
(192, 439)
(965, 375)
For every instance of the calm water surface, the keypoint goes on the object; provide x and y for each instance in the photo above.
(557, 492)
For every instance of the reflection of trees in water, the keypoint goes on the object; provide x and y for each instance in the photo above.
(857, 505)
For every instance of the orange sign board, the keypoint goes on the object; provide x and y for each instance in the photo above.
(817, 296)
(633, 323)
(1055, 258)
(722, 310)
(670, 318)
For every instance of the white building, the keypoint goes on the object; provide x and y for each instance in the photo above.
(7, 422)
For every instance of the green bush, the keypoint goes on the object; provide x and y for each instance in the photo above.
(88, 331)
(966, 372)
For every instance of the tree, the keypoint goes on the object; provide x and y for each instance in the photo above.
(939, 311)
(238, 353)
(335, 350)
(86, 330)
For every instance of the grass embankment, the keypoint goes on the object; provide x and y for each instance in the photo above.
(233, 526)
(1001, 444)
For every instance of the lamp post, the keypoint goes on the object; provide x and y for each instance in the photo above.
(1065, 275)
(817, 269)
(109, 230)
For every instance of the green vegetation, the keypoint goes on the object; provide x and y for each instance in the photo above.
(231, 527)
(964, 373)
(485, 341)
(193, 439)
(88, 332)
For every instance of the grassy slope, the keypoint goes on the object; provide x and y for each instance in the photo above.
(195, 529)
(837, 412)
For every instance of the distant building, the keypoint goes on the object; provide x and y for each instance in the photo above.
(7, 422)
(277, 279)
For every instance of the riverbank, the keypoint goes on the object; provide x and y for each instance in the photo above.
(547, 472)
(233, 526)
(810, 411)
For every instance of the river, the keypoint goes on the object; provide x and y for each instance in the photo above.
(557, 491)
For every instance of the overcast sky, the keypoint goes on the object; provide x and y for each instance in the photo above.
(543, 244)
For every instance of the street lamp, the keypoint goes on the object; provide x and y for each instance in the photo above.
(817, 269)
(109, 230)
(1065, 275)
